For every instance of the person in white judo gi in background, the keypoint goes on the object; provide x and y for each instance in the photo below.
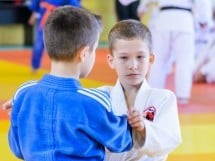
(174, 34)
(158, 132)
(203, 32)
(205, 62)
(205, 65)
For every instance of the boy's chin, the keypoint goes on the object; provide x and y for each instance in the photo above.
(135, 82)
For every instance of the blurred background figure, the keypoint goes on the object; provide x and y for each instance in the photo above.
(126, 9)
(205, 60)
(205, 65)
(149, 6)
(40, 11)
(203, 31)
(174, 34)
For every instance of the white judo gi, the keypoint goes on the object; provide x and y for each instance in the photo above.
(174, 34)
(206, 62)
(204, 34)
(163, 133)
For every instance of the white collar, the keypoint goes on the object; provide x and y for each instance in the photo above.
(119, 102)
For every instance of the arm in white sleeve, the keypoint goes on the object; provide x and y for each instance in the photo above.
(144, 6)
(163, 135)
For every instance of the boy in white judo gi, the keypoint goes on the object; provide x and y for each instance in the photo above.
(158, 133)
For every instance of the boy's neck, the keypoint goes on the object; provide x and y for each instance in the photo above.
(130, 92)
(64, 69)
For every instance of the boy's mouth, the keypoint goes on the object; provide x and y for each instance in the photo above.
(132, 74)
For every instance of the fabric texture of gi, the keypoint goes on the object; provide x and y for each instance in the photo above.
(56, 119)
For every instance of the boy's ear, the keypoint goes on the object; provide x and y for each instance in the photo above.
(152, 58)
(110, 61)
(83, 52)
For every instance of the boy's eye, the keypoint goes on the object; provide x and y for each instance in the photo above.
(124, 57)
(141, 57)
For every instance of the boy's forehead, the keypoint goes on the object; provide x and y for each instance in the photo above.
(131, 46)
(134, 42)
(130, 39)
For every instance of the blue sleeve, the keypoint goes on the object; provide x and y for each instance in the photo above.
(116, 132)
(13, 142)
(13, 136)
(76, 3)
(110, 130)
(35, 5)
(13, 133)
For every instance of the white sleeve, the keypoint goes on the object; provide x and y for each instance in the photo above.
(144, 5)
(105, 88)
(163, 135)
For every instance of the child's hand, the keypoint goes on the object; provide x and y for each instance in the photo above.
(7, 106)
(135, 119)
(32, 19)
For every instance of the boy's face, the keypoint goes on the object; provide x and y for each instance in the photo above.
(131, 60)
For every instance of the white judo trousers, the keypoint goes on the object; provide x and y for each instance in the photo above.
(174, 34)
(163, 133)
(181, 44)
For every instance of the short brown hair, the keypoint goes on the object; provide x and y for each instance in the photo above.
(128, 30)
(68, 29)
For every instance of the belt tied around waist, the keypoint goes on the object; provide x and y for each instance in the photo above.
(175, 8)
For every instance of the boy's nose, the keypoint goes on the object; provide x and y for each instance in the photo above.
(133, 64)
